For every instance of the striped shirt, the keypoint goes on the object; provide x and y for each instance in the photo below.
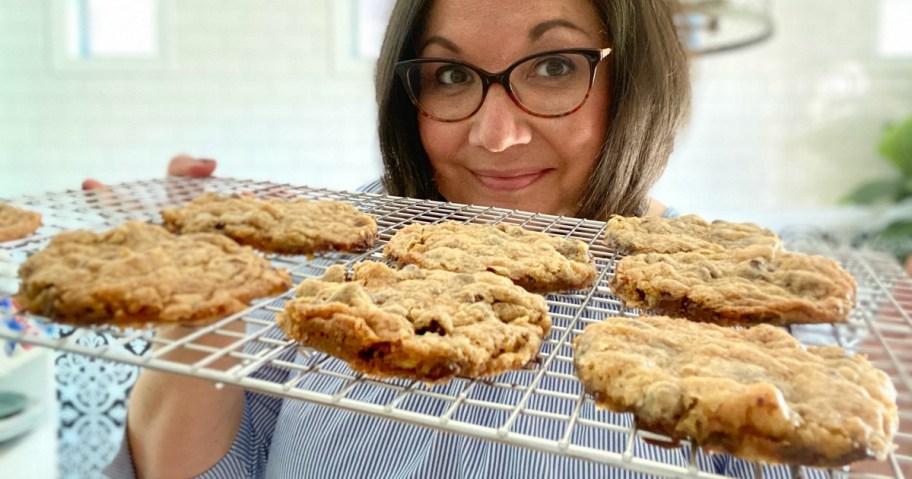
(296, 439)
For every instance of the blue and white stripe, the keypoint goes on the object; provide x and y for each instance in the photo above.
(375, 187)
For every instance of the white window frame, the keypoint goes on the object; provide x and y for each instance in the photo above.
(885, 50)
(63, 60)
(346, 21)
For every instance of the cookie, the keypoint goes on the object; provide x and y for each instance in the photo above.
(297, 226)
(139, 273)
(428, 325)
(737, 287)
(631, 235)
(16, 223)
(755, 393)
(536, 261)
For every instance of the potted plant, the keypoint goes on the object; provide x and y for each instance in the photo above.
(895, 234)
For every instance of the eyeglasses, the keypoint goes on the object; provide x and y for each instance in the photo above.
(548, 84)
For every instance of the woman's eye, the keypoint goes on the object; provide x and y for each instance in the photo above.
(553, 67)
(452, 75)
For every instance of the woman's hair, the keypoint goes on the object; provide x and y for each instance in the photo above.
(650, 98)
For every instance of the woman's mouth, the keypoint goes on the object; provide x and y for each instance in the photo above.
(509, 181)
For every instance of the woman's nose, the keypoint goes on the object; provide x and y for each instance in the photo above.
(498, 125)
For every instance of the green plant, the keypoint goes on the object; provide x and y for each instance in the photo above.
(895, 147)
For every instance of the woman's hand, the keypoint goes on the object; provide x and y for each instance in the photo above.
(186, 165)
(180, 165)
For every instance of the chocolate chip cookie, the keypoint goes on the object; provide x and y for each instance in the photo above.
(756, 393)
(139, 273)
(16, 222)
(429, 325)
(297, 226)
(536, 261)
(631, 235)
(737, 287)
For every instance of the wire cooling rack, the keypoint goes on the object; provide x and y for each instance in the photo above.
(541, 407)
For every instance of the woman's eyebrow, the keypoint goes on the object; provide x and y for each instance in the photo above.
(538, 30)
(443, 42)
(534, 34)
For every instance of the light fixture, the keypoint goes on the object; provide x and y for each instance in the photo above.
(712, 26)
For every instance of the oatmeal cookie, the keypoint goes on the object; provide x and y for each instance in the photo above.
(428, 325)
(536, 261)
(756, 393)
(297, 226)
(16, 223)
(737, 287)
(139, 273)
(630, 235)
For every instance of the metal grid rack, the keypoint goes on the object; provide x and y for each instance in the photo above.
(541, 407)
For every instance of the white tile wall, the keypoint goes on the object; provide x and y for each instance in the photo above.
(779, 132)
(249, 83)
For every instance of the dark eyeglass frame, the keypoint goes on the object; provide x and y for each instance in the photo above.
(594, 55)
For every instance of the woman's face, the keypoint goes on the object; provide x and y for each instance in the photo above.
(503, 156)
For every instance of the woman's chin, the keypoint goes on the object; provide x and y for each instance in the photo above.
(531, 201)
(530, 206)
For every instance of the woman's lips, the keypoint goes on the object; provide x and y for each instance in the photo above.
(509, 181)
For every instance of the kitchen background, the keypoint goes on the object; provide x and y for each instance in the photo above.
(281, 90)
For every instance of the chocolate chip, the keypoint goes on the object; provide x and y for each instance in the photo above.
(432, 327)
(376, 351)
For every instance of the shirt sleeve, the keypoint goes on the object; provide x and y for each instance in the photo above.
(671, 212)
(373, 187)
(122, 464)
(249, 453)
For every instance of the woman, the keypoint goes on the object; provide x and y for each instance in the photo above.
(581, 125)
(602, 158)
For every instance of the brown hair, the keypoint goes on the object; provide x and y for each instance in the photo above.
(650, 98)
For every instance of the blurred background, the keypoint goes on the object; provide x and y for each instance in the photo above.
(793, 101)
(281, 90)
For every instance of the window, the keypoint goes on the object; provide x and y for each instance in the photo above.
(371, 22)
(895, 35)
(112, 28)
(94, 34)
(359, 26)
